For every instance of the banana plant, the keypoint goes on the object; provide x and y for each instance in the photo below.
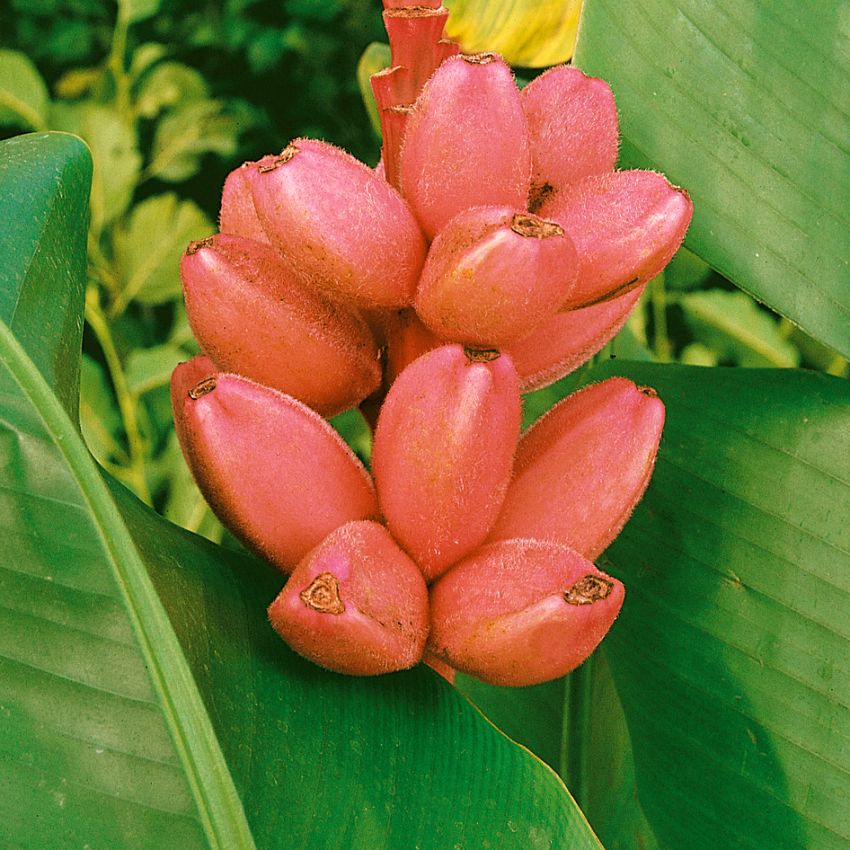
(145, 699)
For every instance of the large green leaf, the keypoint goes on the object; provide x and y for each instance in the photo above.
(732, 653)
(577, 726)
(105, 739)
(747, 104)
(42, 246)
(146, 700)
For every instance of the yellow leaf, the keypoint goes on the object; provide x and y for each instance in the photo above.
(530, 33)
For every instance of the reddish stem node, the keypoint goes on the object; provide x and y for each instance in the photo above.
(417, 48)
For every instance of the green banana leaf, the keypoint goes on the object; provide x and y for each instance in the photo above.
(717, 713)
(144, 700)
(747, 105)
(732, 654)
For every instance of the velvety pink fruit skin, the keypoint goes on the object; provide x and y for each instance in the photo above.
(626, 226)
(253, 316)
(521, 612)
(443, 453)
(355, 604)
(583, 466)
(275, 473)
(466, 142)
(407, 338)
(572, 125)
(344, 228)
(494, 273)
(237, 215)
(563, 342)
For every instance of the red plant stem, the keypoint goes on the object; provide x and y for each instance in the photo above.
(417, 48)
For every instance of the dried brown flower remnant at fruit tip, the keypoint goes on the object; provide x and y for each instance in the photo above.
(322, 595)
(534, 227)
(481, 355)
(202, 388)
(281, 159)
(479, 58)
(648, 391)
(197, 245)
(538, 195)
(588, 589)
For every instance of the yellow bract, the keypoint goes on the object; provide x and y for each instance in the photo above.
(529, 33)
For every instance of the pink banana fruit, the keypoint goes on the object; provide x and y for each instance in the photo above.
(466, 142)
(237, 216)
(573, 128)
(273, 471)
(253, 316)
(521, 612)
(493, 274)
(345, 229)
(582, 468)
(626, 226)
(563, 342)
(443, 452)
(355, 604)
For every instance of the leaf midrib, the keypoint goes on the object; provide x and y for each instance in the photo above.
(218, 804)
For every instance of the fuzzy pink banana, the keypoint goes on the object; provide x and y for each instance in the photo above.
(407, 338)
(237, 215)
(563, 342)
(626, 226)
(275, 473)
(583, 466)
(466, 142)
(253, 316)
(443, 452)
(416, 50)
(493, 274)
(521, 612)
(572, 125)
(341, 226)
(355, 604)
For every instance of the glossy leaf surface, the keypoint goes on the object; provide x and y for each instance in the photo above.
(731, 652)
(40, 297)
(745, 104)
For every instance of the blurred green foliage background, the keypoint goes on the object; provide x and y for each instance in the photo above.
(171, 96)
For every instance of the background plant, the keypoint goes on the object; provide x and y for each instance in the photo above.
(169, 98)
(720, 703)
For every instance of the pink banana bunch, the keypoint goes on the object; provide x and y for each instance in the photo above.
(494, 249)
